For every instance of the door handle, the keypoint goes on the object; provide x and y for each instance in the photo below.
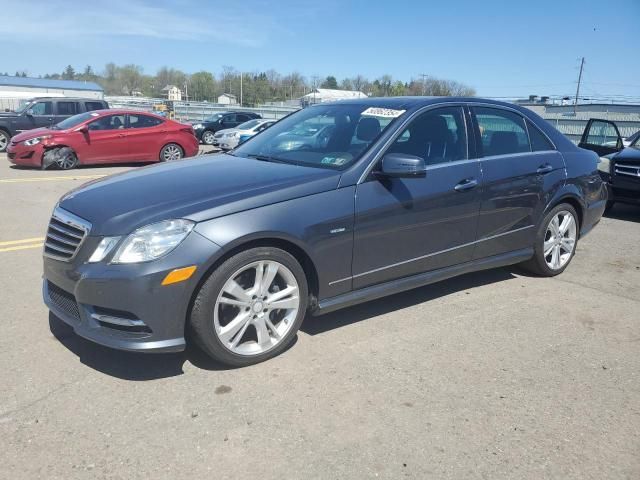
(546, 168)
(466, 184)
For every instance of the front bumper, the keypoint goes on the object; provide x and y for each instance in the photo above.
(20, 154)
(98, 299)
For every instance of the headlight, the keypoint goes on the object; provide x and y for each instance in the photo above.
(197, 126)
(103, 249)
(604, 165)
(153, 241)
(35, 141)
(234, 134)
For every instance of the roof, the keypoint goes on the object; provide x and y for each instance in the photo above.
(405, 103)
(49, 83)
(169, 87)
(230, 95)
(333, 93)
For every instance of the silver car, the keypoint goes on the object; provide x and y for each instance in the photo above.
(230, 138)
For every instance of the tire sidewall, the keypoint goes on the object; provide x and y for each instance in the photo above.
(162, 159)
(8, 137)
(202, 315)
(205, 133)
(542, 230)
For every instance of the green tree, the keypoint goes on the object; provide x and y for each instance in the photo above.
(202, 86)
(69, 73)
(330, 82)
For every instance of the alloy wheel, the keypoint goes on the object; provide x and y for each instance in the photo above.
(256, 308)
(207, 137)
(560, 240)
(66, 160)
(4, 141)
(171, 152)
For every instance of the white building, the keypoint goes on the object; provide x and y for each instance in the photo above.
(319, 95)
(14, 89)
(172, 93)
(227, 99)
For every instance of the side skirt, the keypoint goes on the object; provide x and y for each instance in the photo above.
(407, 283)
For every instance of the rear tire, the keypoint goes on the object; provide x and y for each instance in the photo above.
(207, 137)
(5, 138)
(250, 307)
(555, 243)
(171, 152)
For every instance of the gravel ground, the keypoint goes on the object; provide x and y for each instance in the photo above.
(491, 375)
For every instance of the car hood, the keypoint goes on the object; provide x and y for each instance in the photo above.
(629, 154)
(197, 189)
(36, 132)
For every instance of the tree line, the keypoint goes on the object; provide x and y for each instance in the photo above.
(256, 87)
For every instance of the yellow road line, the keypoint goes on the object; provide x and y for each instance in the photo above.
(16, 242)
(49, 179)
(21, 247)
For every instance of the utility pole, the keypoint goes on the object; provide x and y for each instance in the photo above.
(575, 104)
(241, 75)
(424, 83)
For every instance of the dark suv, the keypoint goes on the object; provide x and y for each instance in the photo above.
(237, 248)
(43, 112)
(206, 128)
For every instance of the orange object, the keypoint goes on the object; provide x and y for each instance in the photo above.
(179, 275)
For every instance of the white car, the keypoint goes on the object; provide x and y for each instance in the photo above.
(230, 138)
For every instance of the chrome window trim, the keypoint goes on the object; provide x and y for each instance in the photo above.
(422, 257)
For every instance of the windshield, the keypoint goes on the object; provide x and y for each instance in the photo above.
(74, 121)
(248, 125)
(635, 142)
(324, 136)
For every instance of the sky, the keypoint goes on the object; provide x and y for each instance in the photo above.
(501, 48)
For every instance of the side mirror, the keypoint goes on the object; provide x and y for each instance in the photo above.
(30, 112)
(83, 129)
(402, 165)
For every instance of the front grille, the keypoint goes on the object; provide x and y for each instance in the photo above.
(218, 135)
(64, 300)
(630, 170)
(65, 234)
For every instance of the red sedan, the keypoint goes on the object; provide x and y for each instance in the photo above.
(104, 136)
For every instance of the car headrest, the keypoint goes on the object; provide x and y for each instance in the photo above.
(368, 129)
(503, 142)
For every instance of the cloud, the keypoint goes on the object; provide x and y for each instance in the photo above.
(181, 21)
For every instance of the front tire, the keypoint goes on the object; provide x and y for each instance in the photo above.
(4, 140)
(207, 137)
(555, 242)
(250, 307)
(63, 158)
(171, 152)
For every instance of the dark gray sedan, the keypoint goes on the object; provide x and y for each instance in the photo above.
(237, 248)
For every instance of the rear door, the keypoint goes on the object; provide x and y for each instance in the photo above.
(66, 109)
(145, 136)
(601, 136)
(520, 169)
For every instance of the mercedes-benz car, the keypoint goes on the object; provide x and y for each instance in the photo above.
(234, 250)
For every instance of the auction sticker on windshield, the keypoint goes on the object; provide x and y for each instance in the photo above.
(383, 112)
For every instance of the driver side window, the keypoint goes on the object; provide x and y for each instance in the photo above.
(110, 122)
(437, 136)
(41, 108)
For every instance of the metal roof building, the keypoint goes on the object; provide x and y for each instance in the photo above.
(26, 87)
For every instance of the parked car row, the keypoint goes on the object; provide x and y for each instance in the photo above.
(207, 128)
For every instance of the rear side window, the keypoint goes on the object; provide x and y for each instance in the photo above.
(67, 108)
(143, 121)
(110, 122)
(539, 142)
(90, 106)
(242, 117)
(501, 132)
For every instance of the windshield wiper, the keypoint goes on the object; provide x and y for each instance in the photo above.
(266, 158)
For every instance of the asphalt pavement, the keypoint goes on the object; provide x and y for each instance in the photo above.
(496, 374)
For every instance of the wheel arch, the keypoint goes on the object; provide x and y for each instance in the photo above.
(50, 147)
(275, 241)
(573, 198)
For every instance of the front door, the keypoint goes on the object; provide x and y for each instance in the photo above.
(406, 226)
(601, 136)
(520, 169)
(105, 142)
(40, 114)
